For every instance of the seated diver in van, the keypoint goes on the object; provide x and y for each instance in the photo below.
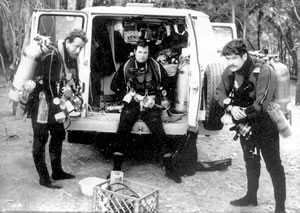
(141, 82)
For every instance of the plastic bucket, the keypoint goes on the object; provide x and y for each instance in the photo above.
(87, 185)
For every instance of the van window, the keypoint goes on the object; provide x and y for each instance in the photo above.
(58, 26)
(223, 35)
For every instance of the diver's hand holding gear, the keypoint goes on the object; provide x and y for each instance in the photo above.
(128, 97)
(149, 101)
(238, 113)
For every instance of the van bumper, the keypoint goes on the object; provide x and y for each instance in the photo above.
(108, 123)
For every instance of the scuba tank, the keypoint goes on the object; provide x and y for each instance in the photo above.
(282, 92)
(43, 109)
(28, 63)
(182, 86)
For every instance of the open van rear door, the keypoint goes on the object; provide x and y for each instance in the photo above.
(57, 24)
(203, 52)
(222, 33)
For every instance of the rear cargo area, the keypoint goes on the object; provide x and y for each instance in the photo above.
(113, 41)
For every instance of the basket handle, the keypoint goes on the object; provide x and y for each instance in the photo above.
(124, 187)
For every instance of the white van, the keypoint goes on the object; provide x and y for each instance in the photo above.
(116, 29)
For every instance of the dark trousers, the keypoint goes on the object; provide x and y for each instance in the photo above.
(40, 138)
(152, 117)
(96, 89)
(266, 138)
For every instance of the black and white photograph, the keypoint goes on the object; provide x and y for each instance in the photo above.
(150, 106)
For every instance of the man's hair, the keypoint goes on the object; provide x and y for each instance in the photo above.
(141, 43)
(235, 47)
(77, 33)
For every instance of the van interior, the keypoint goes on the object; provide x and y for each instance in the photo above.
(113, 42)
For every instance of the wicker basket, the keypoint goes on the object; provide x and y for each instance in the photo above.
(127, 197)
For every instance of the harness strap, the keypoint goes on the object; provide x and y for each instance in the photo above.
(256, 72)
(153, 66)
(63, 70)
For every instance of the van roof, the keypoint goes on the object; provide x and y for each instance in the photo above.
(135, 10)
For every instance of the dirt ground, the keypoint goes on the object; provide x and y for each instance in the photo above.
(204, 192)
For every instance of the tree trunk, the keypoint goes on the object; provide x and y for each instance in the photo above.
(297, 98)
(232, 11)
(89, 3)
(3, 49)
(245, 19)
(8, 32)
(72, 4)
(57, 4)
(260, 15)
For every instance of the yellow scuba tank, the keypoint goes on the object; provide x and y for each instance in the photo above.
(27, 66)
